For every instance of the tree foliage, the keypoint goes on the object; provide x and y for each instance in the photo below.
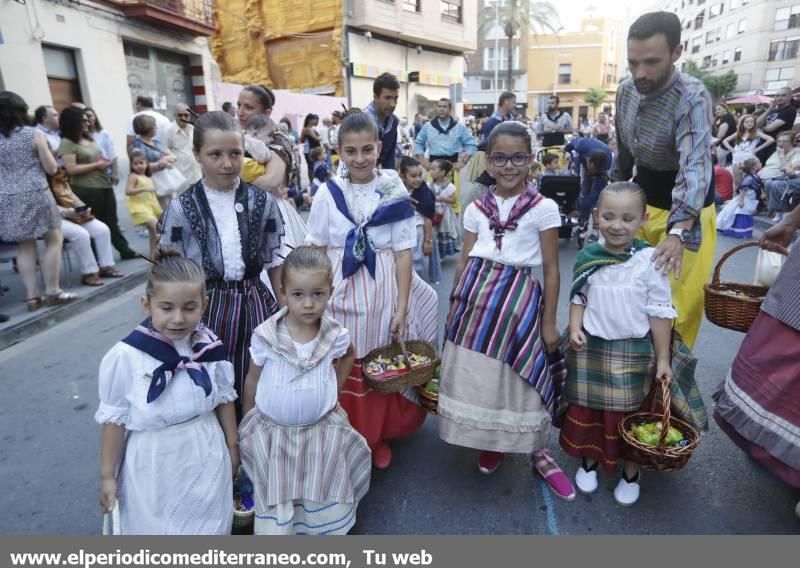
(719, 86)
(595, 97)
(518, 17)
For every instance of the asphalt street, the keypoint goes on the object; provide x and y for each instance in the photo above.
(49, 453)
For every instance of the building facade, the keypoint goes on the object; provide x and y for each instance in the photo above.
(422, 42)
(489, 60)
(758, 39)
(105, 54)
(569, 64)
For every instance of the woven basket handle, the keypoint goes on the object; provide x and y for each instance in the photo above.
(726, 256)
(404, 353)
(666, 401)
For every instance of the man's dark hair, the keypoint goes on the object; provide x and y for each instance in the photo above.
(504, 97)
(598, 159)
(652, 23)
(385, 81)
(146, 102)
(557, 98)
(40, 113)
(446, 100)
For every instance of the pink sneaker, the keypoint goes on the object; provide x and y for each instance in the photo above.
(556, 479)
(488, 462)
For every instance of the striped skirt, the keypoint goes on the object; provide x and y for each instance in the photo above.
(757, 404)
(235, 309)
(306, 479)
(365, 306)
(495, 390)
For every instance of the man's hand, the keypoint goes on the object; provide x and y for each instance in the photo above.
(777, 238)
(669, 255)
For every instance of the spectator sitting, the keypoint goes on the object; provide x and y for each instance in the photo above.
(550, 165)
(779, 188)
(723, 182)
(783, 155)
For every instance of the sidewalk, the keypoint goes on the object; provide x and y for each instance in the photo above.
(24, 324)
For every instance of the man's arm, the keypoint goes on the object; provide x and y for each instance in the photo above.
(693, 141)
(420, 141)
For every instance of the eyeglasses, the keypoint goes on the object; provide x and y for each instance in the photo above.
(500, 160)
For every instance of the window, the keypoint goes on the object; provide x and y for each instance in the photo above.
(706, 61)
(719, 34)
(565, 73)
(490, 61)
(696, 43)
(412, 5)
(787, 18)
(700, 2)
(710, 37)
(698, 19)
(737, 54)
(726, 56)
(730, 31)
(733, 5)
(742, 26)
(716, 10)
(451, 10)
(62, 75)
(486, 84)
(777, 78)
(783, 49)
(714, 60)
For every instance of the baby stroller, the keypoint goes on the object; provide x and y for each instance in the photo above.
(564, 190)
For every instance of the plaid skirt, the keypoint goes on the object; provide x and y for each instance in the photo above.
(616, 376)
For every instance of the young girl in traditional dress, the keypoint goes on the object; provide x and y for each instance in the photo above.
(366, 222)
(234, 230)
(620, 333)
(735, 219)
(448, 229)
(310, 468)
(495, 392)
(169, 445)
(426, 254)
(143, 205)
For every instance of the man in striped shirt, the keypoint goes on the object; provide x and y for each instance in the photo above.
(663, 128)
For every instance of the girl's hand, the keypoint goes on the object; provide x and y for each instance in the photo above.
(664, 371)
(427, 249)
(397, 329)
(577, 339)
(235, 460)
(108, 494)
(550, 337)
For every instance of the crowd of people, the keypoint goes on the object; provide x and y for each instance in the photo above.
(258, 321)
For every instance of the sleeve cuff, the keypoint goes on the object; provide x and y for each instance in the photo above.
(665, 311)
(107, 414)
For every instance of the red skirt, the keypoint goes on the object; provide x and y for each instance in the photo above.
(378, 416)
(594, 434)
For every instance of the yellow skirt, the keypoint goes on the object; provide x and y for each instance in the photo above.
(687, 291)
(143, 207)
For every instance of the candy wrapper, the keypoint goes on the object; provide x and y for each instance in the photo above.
(385, 368)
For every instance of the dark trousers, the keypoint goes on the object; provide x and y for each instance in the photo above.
(104, 207)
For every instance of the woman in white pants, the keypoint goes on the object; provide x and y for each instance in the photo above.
(78, 234)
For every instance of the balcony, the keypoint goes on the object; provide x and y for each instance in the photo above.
(190, 17)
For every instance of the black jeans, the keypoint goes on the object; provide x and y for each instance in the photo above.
(104, 207)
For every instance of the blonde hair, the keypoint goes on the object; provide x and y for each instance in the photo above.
(169, 265)
(307, 258)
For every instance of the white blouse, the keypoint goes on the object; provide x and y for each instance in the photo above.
(125, 376)
(288, 395)
(621, 298)
(521, 247)
(222, 205)
(328, 227)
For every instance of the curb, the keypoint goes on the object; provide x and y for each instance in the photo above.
(45, 319)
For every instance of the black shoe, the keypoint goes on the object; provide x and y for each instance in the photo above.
(128, 255)
(4, 318)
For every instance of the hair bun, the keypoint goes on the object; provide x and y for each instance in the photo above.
(165, 253)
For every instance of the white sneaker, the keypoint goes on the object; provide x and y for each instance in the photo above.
(626, 494)
(586, 481)
(777, 218)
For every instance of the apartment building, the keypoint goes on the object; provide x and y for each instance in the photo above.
(487, 70)
(757, 39)
(422, 42)
(569, 64)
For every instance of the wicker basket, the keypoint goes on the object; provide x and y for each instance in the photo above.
(415, 376)
(660, 457)
(428, 400)
(730, 305)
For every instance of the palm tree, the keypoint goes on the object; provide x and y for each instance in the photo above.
(521, 17)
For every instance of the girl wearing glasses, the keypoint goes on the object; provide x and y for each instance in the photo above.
(495, 393)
